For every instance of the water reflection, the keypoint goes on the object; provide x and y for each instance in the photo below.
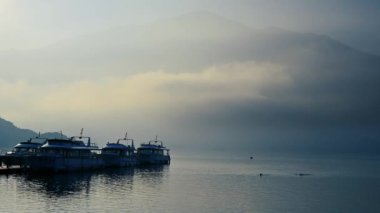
(81, 183)
(152, 176)
(197, 186)
(58, 184)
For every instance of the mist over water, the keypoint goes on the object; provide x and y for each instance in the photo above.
(267, 106)
(210, 183)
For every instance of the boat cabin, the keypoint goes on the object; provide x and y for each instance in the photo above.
(67, 148)
(153, 152)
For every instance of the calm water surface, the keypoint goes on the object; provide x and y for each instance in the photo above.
(349, 184)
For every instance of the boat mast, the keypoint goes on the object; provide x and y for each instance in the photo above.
(126, 139)
(81, 136)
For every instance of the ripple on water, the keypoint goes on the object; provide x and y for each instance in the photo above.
(200, 186)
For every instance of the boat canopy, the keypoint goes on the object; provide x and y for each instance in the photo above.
(116, 146)
(153, 144)
(27, 145)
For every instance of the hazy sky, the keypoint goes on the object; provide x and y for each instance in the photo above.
(34, 23)
(270, 73)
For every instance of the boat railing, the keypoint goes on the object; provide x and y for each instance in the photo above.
(93, 145)
(38, 137)
(126, 139)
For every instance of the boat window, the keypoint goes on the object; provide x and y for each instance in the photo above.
(53, 151)
(110, 151)
(146, 151)
(22, 150)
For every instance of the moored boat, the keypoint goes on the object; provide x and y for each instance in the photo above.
(118, 154)
(20, 153)
(66, 155)
(153, 153)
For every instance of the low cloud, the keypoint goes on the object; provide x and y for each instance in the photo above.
(240, 92)
(150, 91)
(268, 102)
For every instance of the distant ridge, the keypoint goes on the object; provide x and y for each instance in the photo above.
(10, 135)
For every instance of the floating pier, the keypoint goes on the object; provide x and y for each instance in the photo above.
(10, 170)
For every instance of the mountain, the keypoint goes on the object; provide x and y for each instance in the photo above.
(10, 135)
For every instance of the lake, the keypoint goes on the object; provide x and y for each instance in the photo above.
(205, 184)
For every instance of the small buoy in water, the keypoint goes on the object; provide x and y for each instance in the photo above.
(251, 158)
(303, 174)
(261, 174)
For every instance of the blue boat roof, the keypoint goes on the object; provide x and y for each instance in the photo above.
(67, 144)
(27, 145)
(151, 146)
(116, 146)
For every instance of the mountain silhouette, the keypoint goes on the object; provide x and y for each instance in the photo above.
(10, 134)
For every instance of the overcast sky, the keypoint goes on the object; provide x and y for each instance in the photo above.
(34, 23)
(271, 73)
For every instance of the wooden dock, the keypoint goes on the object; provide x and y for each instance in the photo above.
(10, 170)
